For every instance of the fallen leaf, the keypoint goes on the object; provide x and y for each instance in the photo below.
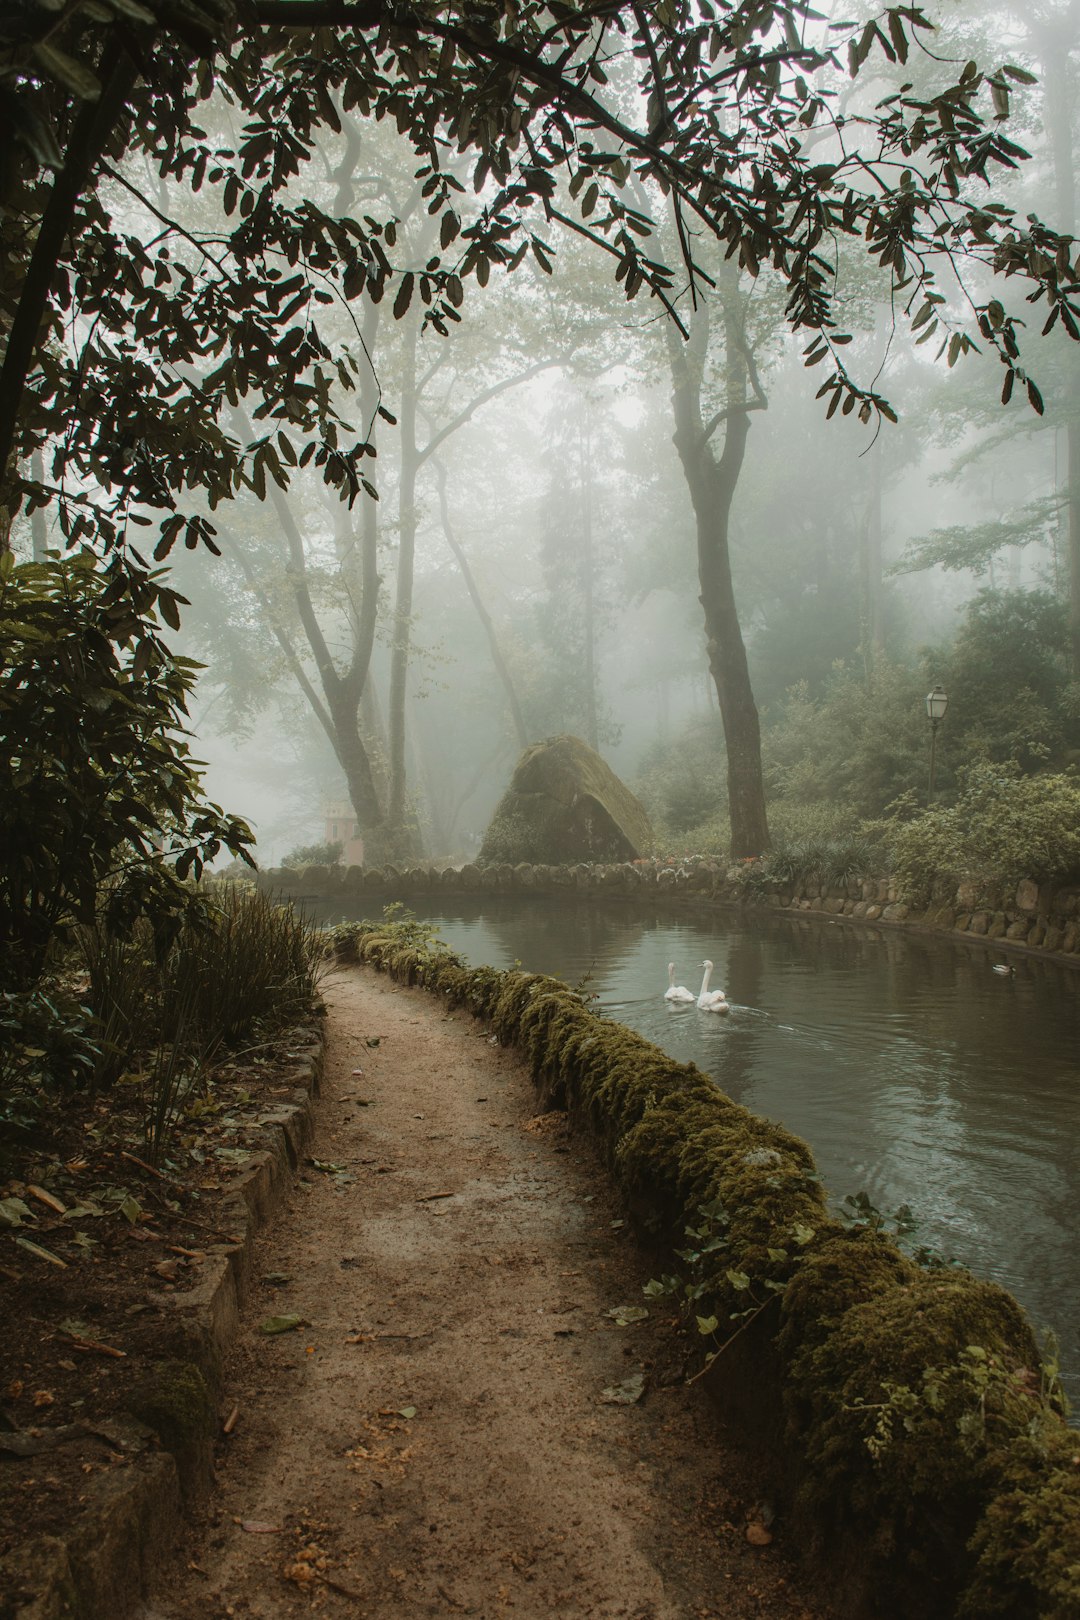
(407, 1411)
(257, 1527)
(757, 1535)
(46, 1198)
(131, 1209)
(44, 1397)
(373, 1040)
(282, 1324)
(42, 1254)
(627, 1315)
(13, 1210)
(627, 1393)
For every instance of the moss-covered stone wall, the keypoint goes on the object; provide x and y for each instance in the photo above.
(917, 1442)
(1029, 917)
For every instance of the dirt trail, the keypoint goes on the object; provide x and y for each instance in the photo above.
(434, 1442)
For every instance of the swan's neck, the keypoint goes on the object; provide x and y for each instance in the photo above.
(705, 981)
(671, 975)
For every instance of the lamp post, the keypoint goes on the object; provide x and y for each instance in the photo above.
(937, 702)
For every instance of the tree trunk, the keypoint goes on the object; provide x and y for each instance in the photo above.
(404, 838)
(712, 481)
(873, 617)
(502, 668)
(592, 722)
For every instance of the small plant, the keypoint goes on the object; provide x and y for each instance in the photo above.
(47, 1048)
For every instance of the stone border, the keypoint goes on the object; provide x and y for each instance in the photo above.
(1035, 919)
(101, 1567)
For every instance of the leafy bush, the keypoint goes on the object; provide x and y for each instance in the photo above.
(1003, 827)
(100, 803)
(47, 1047)
(314, 855)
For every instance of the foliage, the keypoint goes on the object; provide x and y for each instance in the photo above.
(526, 95)
(100, 803)
(327, 854)
(239, 965)
(1003, 827)
(1007, 676)
(48, 1046)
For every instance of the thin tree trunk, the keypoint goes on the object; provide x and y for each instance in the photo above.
(502, 669)
(873, 626)
(401, 645)
(592, 723)
(712, 482)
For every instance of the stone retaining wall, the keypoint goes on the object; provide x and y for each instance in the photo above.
(1029, 917)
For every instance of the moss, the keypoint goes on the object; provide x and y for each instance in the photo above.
(1026, 1547)
(905, 1405)
(176, 1403)
(564, 804)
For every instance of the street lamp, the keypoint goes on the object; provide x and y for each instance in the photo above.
(937, 702)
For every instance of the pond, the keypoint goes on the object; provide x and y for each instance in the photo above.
(917, 1074)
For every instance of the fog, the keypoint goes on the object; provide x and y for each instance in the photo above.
(534, 536)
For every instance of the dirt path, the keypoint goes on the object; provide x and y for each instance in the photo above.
(435, 1440)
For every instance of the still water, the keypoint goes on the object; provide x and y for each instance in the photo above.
(916, 1073)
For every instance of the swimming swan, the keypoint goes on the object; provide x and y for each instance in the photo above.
(676, 992)
(711, 1000)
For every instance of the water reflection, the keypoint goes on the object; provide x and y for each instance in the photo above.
(915, 1072)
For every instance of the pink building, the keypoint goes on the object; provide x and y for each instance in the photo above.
(342, 828)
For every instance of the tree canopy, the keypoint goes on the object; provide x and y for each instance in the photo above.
(126, 345)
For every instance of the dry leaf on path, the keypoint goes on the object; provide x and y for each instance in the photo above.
(626, 1393)
(757, 1535)
(282, 1324)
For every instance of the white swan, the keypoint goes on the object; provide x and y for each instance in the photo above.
(711, 1000)
(676, 992)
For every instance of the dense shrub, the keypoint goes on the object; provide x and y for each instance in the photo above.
(100, 802)
(1002, 827)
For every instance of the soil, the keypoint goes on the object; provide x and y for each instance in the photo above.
(104, 1245)
(459, 1414)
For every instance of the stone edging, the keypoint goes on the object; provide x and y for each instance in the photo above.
(101, 1566)
(1033, 920)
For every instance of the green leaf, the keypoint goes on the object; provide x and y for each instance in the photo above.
(405, 293)
(71, 74)
(707, 1324)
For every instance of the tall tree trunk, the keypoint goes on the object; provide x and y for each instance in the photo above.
(872, 615)
(404, 838)
(712, 481)
(502, 668)
(592, 723)
(338, 710)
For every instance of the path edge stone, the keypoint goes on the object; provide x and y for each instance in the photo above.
(100, 1568)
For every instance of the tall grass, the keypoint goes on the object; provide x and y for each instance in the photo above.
(242, 964)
